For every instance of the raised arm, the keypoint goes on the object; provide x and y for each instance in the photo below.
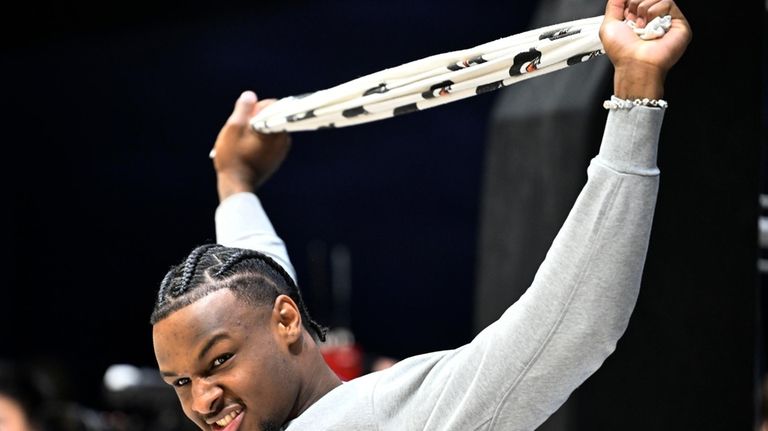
(521, 368)
(244, 160)
(579, 304)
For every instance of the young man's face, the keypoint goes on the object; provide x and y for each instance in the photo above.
(227, 365)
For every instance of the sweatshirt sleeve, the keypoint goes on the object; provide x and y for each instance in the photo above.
(522, 367)
(581, 299)
(242, 222)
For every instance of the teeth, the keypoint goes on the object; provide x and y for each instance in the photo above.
(227, 419)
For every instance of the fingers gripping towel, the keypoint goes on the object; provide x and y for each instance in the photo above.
(444, 78)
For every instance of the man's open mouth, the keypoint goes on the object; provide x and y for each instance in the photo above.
(229, 422)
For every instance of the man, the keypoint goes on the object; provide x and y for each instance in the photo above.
(234, 338)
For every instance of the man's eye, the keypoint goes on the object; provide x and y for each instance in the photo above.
(181, 382)
(221, 359)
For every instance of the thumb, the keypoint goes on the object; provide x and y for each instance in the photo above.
(244, 107)
(614, 10)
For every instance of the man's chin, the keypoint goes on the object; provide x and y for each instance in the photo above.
(270, 426)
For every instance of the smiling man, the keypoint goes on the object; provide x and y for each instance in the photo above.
(233, 337)
(220, 338)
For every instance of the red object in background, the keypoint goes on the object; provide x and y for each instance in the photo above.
(346, 360)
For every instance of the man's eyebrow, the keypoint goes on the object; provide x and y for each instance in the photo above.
(206, 347)
(210, 343)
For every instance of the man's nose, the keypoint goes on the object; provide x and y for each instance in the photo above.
(205, 396)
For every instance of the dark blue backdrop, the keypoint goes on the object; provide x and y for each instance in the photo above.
(110, 115)
(113, 116)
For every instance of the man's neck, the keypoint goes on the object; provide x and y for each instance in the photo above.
(318, 379)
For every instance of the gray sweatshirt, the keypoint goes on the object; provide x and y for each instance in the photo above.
(521, 368)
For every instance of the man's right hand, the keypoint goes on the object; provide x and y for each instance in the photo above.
(244, 159)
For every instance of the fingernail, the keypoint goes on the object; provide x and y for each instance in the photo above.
(248, 97)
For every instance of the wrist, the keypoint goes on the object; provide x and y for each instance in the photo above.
(636, 81)
(228, 184)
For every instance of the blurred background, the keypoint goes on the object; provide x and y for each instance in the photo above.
(110, 112)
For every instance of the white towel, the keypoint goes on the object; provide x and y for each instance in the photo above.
(444, 78)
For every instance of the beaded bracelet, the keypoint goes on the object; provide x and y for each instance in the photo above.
(619, 103)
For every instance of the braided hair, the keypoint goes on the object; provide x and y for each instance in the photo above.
(253, 276)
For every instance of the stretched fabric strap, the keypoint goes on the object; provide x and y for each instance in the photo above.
(443, 78)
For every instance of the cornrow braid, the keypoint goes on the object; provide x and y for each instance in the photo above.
(190, 265)
(162, 293)
(254, 276)
(233, 260)
(171, 286)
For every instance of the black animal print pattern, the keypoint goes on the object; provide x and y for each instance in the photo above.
(437, 80)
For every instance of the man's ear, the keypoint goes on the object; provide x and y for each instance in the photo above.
(287, 319)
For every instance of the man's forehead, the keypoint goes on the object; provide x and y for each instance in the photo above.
(214, 312)
(219, 311)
